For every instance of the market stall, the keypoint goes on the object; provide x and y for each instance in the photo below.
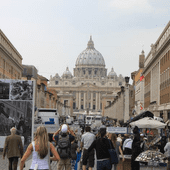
(151, 158)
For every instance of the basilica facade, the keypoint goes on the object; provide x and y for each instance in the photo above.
(89, 88)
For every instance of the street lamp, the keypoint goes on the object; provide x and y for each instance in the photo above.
(127, 79)
(126, 108)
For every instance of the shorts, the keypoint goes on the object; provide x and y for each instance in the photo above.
(88, 156)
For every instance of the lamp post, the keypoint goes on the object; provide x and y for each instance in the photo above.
(126, 110)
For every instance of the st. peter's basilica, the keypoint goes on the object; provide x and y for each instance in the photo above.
(89, 88)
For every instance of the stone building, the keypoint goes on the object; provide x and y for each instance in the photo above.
(10, 59)
(90, 88)
(44, 97)
(120, 109)
(157, 76)
(138, 83)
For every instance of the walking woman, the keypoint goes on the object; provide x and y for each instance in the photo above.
(40, 148)
(117, 146)
(167, 150)
(101, 145)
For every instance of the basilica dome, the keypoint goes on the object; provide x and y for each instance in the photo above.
(67, 73)
(112, 73)
(90, 56)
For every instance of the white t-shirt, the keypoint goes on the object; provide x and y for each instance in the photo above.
(127, 144)
(87, 139)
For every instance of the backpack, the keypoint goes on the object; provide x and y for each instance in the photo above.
(64, 147)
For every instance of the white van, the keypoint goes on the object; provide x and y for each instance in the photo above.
(89, 120)
(46, 114)
(98, 119)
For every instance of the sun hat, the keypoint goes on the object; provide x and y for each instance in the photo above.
(64, 128)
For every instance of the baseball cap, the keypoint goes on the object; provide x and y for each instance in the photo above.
(142, 134)
(64, 128)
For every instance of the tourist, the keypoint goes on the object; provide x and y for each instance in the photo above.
(136, 150)
(14, 149)
(117, 146)
(101, 145)
(64, 136)
(40, 149)
(86, 141)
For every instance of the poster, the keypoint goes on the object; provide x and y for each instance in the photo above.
(16, 108)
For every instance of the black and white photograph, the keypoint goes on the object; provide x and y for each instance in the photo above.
(21, 90)
(4, 90)
(16, 114)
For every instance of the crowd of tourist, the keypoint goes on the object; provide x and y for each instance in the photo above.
(69, 147)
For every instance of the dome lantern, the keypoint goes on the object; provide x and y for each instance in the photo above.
(90, 44)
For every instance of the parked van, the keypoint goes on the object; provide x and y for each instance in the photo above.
(89, 120)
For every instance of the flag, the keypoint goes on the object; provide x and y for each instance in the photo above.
(141, 78)
(141, 107)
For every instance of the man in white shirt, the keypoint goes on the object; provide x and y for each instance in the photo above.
(86, 141)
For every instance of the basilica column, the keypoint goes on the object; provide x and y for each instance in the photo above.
(79, 100)
(96, 101)
(84, 100)
(99, 101)
(91, 105)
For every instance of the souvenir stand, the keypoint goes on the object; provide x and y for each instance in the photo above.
(151, 159)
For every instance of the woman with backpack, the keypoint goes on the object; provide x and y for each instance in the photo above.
(40, 149)
(102, 145)
(117, 146)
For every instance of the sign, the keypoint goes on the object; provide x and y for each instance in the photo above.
(17, 108)
(117, 130)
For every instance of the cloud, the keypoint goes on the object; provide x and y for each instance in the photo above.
(131, 5)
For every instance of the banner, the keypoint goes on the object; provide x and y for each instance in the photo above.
(117, 130)
(17, 108)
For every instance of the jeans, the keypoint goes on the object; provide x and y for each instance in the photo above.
(104, 165)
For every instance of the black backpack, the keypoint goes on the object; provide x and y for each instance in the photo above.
(64, 147)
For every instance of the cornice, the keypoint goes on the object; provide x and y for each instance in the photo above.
(157, 54)
(11, 57)
(8, 41)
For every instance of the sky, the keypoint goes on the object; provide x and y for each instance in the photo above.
(50, 34)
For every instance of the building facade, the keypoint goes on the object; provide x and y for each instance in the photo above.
(10, 59)
(44, 97)
(138, 83)
(90, 88)
(157, 76)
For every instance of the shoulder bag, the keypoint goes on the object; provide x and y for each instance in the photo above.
(113, 154)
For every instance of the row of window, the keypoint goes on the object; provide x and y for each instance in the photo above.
(164, 98)
(165, 84)
(164, 75)
(6, 66)
(73, 83)
(165, 58)
(82, 106)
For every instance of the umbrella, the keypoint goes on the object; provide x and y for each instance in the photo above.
(148, 122)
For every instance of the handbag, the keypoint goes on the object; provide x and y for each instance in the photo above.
(113, 155)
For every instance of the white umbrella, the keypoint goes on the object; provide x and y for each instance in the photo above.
(148, 122)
